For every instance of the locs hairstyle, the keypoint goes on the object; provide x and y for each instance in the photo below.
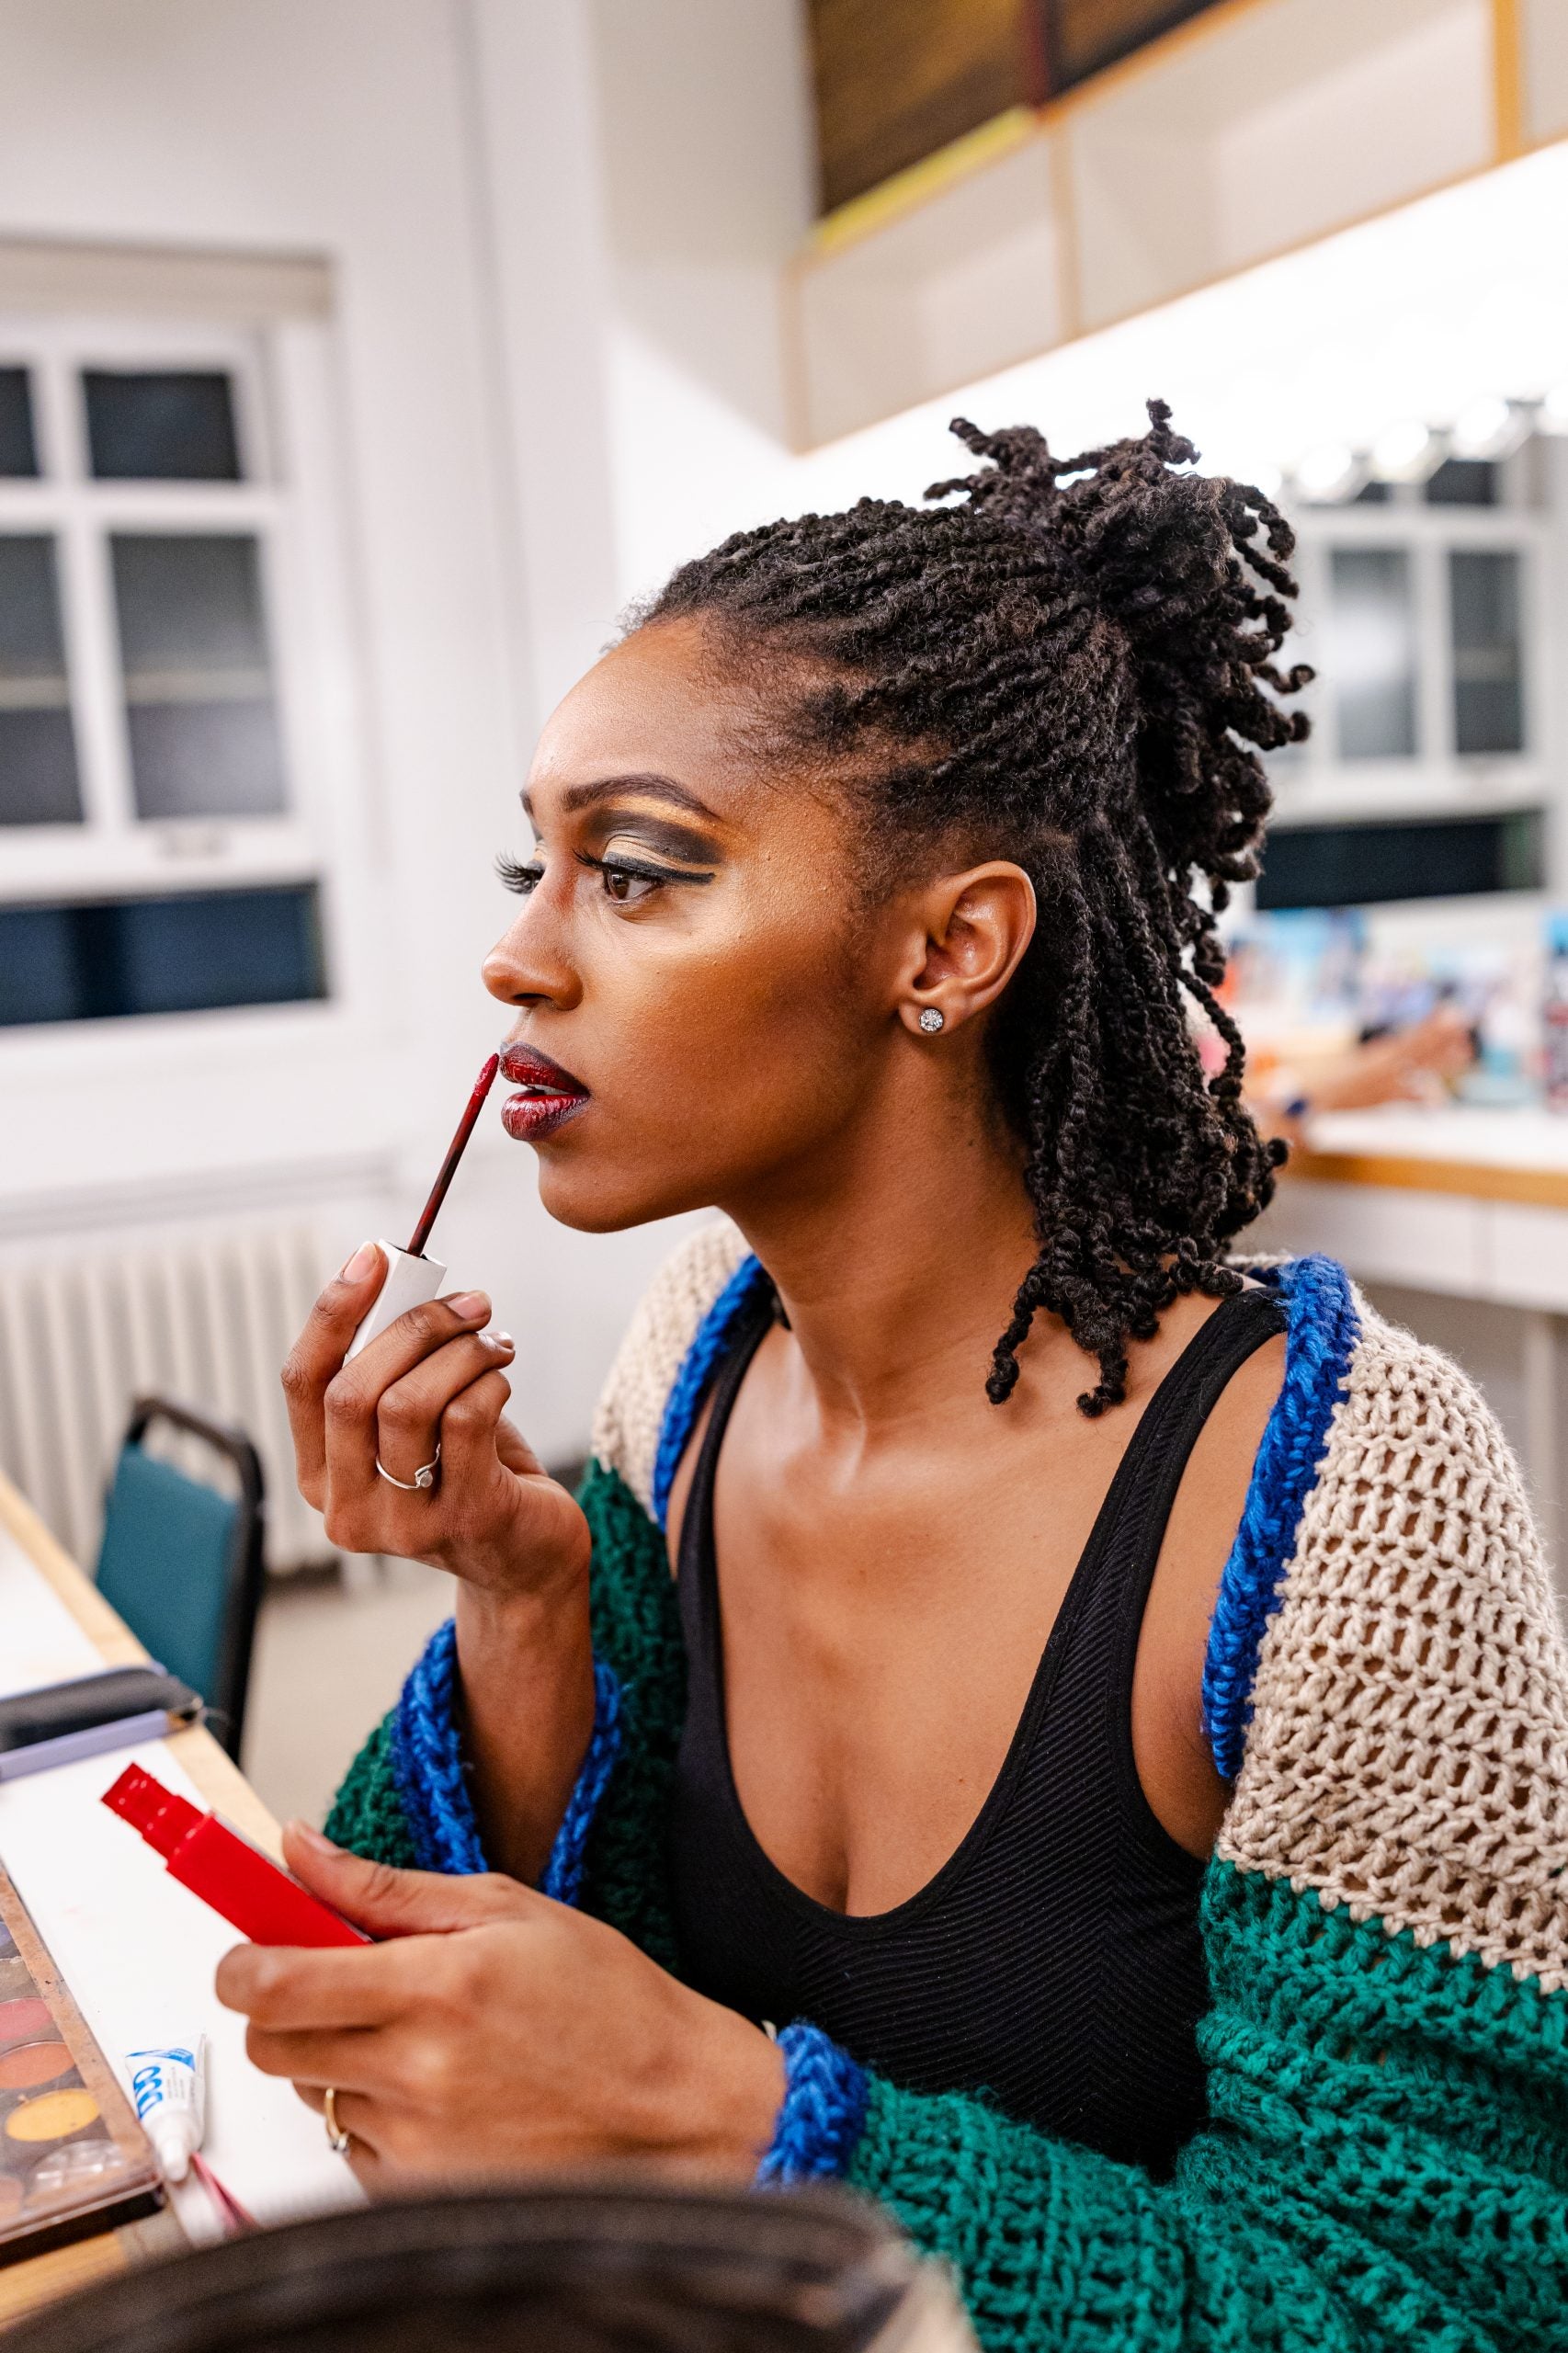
(1067, 669)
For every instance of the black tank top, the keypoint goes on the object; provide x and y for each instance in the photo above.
(1054, 1962)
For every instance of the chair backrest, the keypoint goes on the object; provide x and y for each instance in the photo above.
(183, 1564)
(549, 2267)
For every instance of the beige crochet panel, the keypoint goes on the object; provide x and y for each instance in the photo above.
(631, 1408)
(1408, 1753)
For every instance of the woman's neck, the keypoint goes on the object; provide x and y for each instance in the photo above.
(897, 1255)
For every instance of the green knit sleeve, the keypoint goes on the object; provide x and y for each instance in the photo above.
(367, 1816)
(636, 1627)
(1385, 2164)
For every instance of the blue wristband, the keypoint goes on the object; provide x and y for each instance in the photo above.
(432, 1786)
(822, 2112)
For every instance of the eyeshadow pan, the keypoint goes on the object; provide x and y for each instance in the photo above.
(27, 2064)
(80, 2164)
(51, 2116)
(24, 2021)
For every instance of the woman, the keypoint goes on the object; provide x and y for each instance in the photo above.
(1068, 1736)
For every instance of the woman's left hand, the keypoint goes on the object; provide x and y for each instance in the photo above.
(496, 2032)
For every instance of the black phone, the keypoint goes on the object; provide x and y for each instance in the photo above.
(114, 1708)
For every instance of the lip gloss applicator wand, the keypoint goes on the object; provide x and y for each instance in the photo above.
(411, 1278)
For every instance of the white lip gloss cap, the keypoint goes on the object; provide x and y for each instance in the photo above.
(409, 1283)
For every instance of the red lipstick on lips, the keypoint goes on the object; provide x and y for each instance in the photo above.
(549, 1095)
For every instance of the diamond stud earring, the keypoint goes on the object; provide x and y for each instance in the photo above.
(932, 1020)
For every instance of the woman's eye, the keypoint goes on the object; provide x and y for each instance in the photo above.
(627, 885)
(519, 877)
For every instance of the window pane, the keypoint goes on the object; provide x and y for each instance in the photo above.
(168, 425)
(18, 450)
(1463, 482)
(1489, 703)
(1372, 653)
(38, 746)
(170, 955)
(1351, 866)
(204, 739)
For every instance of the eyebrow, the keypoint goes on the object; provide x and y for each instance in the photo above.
(605, 788)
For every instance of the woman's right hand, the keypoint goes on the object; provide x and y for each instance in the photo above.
(493, 1517)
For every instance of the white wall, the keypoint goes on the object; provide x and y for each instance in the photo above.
(507, 382)
(556, 228)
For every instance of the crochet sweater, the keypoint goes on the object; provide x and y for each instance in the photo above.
(1385, 1918)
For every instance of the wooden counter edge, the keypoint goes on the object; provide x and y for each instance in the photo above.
(1411, 1172)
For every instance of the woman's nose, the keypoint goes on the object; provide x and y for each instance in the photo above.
(523, 968)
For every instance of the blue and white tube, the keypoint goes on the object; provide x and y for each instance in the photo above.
(169, 2087)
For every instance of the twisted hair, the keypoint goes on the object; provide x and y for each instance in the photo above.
(1066, 669)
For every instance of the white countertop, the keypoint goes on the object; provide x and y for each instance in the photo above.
(1526, 1138)
(137, 1949)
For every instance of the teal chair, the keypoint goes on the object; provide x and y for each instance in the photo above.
(183, 1562)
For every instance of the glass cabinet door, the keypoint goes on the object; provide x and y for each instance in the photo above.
(1488, 654)
(1373, 653)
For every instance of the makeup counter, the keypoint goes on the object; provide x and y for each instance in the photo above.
(136, 1950)
(1461, 1203)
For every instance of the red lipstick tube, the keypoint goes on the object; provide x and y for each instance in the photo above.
(247, 1887)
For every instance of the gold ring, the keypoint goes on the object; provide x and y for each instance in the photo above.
(338, 2139)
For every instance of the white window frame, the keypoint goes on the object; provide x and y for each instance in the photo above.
(113, 850)
(288, 417)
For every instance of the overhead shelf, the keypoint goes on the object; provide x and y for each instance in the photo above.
(1258, 127)
(1543, 65)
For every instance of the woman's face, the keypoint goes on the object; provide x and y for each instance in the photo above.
(691, 950)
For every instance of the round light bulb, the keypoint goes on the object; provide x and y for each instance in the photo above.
(1328, 472)
(1405, 452)
(1484, 428)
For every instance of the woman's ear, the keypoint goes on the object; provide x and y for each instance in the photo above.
(973, 930)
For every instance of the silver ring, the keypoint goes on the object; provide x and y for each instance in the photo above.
(338, 2139)
(422, 1479)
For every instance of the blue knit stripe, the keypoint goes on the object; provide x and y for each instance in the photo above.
(428, 1766)
(1322, 1331)
(562, 1873)
(432, 1786)
(690, 1386)
(822, 2112)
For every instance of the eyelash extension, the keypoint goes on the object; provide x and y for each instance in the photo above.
(513, 876)
(641, 872)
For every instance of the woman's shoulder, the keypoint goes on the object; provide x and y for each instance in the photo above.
(1406, 1748)
(676, 1325)
(1413, 1465)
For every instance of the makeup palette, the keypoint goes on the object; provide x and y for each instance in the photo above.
(72, 2157)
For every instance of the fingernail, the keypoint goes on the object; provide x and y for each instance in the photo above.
(470, 1305)
(317, 1838)
(355, 1269)
(501, 1339)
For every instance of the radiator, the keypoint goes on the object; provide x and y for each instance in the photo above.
(204, 1317)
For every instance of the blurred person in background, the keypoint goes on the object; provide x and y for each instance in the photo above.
(1417, 1063)
(1022, 1714)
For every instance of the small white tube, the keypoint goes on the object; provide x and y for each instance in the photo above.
(409, 1283)
(168, 2085)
